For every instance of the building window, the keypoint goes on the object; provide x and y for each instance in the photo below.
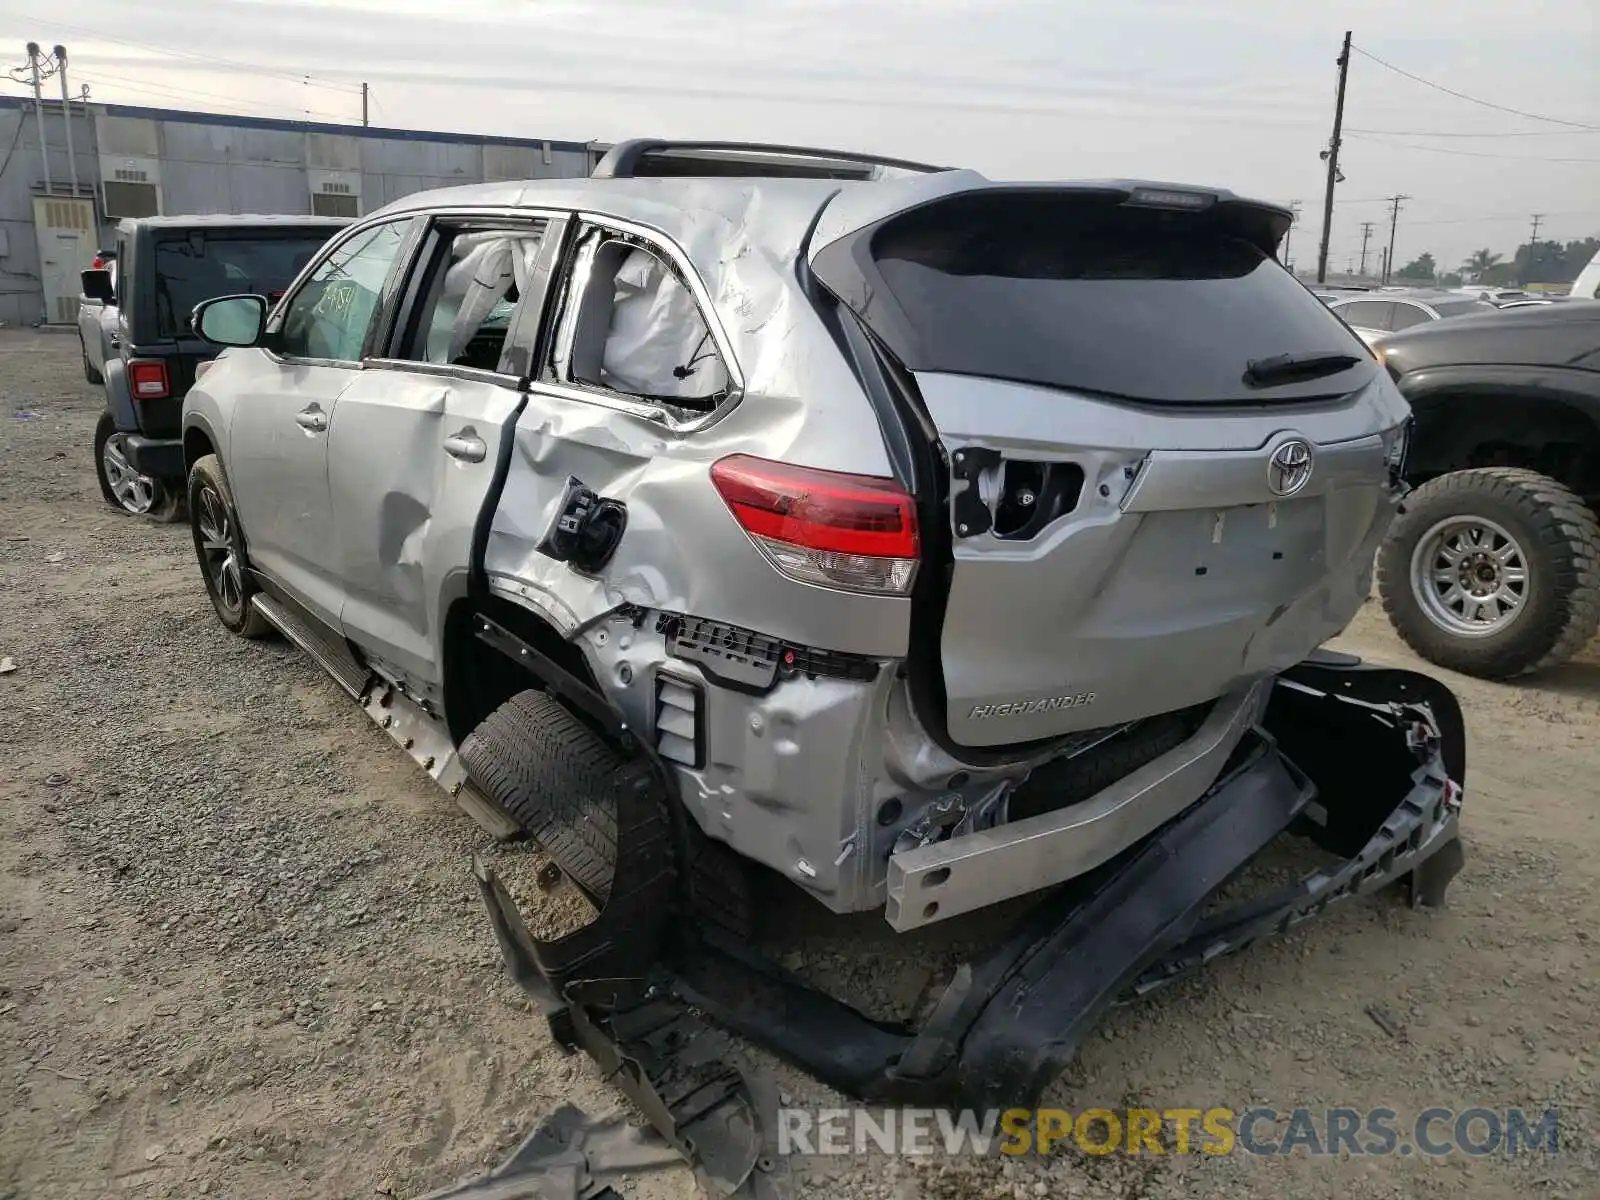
(131, 198)
(330, 204)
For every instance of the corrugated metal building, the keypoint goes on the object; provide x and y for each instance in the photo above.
(129, 162)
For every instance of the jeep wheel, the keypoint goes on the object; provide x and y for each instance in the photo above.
(122, 486)
(1493, 572)
(219, 545)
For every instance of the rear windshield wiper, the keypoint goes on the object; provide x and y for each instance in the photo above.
(1307, 364)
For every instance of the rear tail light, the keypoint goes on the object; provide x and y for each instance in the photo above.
(148, 380)
(857, 533)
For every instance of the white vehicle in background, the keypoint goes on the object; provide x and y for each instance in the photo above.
(1587, 285)
(1373, 314)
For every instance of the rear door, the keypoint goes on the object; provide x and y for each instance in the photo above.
(417, 436)
(1148, 504)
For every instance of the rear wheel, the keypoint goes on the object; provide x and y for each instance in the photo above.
(122, 486)
(219, 545)
(1493, 572)
(563, 782)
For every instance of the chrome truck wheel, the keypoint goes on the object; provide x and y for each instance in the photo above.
(1493, 572)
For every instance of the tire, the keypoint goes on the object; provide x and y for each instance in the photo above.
(561, 781)
(124, 488)
(219, 546)
(89, 373)
(1493, 572)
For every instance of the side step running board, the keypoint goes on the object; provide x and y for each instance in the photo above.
(412, 727)
(330, 650)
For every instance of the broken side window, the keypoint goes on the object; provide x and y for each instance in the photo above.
(639, 331)
(467, 314)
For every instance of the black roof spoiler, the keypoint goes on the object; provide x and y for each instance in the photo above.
(638, 157)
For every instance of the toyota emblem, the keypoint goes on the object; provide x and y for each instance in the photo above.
(1289, 468)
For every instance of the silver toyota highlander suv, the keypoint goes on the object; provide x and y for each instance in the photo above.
(926, 539)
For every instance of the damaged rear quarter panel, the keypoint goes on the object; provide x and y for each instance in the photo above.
(682, 550)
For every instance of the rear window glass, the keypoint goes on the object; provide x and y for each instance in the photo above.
(197, 267)
(1462, 308)
(1083, 293)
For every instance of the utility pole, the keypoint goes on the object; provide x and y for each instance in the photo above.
(363, 104)
(38, 114)
(1332, 155)
(66, 113)
(1366, 232)
(1394, 220)
(1294, 216)
(1533, 248)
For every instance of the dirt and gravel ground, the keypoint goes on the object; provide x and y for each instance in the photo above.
(241, 956)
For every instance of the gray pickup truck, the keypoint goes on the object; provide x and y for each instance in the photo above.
(133, 319)
(97, 321)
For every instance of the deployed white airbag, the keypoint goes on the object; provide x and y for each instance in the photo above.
(474, 284)
(658, 344)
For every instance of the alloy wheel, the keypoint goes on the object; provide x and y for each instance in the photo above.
(136, 493)
(216, 550)
(1470, 576)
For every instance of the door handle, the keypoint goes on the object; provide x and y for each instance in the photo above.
(313, 419)
(466, 446)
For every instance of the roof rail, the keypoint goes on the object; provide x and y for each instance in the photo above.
(638, 157)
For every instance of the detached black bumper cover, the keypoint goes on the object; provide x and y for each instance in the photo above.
(1369, 763)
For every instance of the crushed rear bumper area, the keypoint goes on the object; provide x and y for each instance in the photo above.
(1367, 762)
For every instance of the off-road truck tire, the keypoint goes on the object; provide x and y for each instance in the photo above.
(210, 504)
(561, 780)
(1559, 542)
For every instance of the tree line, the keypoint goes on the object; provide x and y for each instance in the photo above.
(1540, 262)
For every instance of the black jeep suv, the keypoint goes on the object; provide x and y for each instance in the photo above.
(140, 318)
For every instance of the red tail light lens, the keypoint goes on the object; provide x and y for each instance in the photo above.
(855, 532)
(148, 380)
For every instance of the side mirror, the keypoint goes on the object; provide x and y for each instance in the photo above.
(231, 320)
(97, 285)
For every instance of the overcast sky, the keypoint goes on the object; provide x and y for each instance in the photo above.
(1235, 93)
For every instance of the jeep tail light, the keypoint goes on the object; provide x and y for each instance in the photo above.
(853, 532)
(148, 380)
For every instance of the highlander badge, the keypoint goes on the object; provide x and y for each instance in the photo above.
(1023, 708)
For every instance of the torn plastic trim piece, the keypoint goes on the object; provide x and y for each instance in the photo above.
(1010, 1021)
(679, 1071)
(551, 675)
(570, 1156)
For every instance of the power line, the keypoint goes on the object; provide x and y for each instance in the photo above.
(100, 36)
(1468, 153)
(169, 94)
(1457, 134)
(1473, 99)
